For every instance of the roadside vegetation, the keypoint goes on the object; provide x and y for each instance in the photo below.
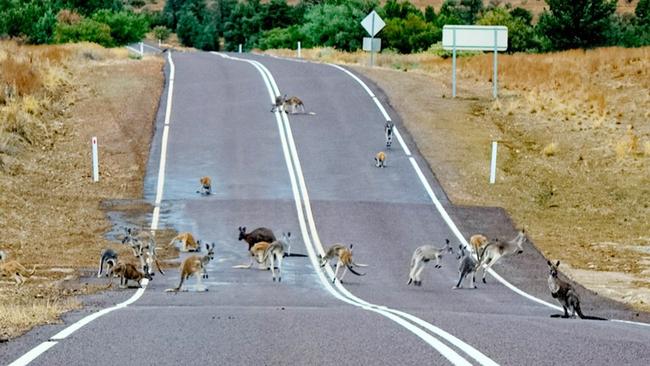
(53, 99)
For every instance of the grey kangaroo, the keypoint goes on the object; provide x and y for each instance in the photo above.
(107, 258)
(466, 265)
(565, 294)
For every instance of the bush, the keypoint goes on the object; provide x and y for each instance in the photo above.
(125, 27)
(521, 36)
(86, 30)
(281, 38)
(161, 32)
(408, 35)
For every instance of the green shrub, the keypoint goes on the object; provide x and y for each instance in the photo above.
(281, 38)
(87, 30)
(161, 32)
(126, 27)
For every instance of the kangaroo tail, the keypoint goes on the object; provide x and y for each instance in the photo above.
(482, 255)
(355, 272)
(587, 317)
(32, 271)
(295, 255)
(101, 267)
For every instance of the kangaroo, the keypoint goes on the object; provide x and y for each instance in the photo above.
(187, 241)
(275, 252)
(466, 265)
(206, 186)
(257, 255)
(295, 103)
(344, 256)
(565, 294)
(14, 269)
(388, 133)
(496, 250)
(143, 246)
(108, 257)
(380, 159)
(256, 236)
(478, 241)
(423, 255)
(126, 272)
(192, 265)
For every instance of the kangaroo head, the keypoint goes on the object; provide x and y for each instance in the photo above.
(242, 232)
(448, 246)
(210, 249)
(321, 260)
(553, 268)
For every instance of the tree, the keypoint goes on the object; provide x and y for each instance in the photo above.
(521, 36)
(642, 11)
(161, 32)
(430, 14)
(576, 23)
(412, 34)
(126, 26)
(396, 9)
(188, 28)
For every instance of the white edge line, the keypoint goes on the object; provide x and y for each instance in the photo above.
(38, 350)
(33, 353)
(133, 49)
(401, 142)
(477, 355)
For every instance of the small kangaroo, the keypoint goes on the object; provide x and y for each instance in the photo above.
(206, 186)
(344, 256)
(192, 265)
(380, 159)
(187, 241)
(126, 272)
(275, 253)
(108, 257)
(388, 133)
(14, 269)
(295, 103)
(423, 255)
(279, 101)
(565, 294)
(466, 265)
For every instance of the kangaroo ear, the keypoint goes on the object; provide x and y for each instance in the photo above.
(288, 233)
(557, 264)
(446, 241)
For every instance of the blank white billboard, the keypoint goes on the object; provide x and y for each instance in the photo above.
(475, 37)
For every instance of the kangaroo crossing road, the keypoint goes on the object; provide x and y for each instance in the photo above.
(314, 175)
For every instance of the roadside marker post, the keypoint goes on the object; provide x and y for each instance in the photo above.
(141, 50)
(372, 23)
(474, 38)
(95, 159)
(240, 48)
(493, 163)
(299, 56)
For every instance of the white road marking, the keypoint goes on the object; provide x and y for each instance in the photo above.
(38, 350)
(339, 292)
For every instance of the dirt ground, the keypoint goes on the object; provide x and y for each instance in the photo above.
(54, 218)
(574, 149)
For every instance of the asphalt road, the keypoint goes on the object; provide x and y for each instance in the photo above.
(221, 127)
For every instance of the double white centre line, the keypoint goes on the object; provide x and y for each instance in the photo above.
(417, 326)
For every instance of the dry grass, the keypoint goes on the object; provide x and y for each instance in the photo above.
(49, 209)
(574, 164)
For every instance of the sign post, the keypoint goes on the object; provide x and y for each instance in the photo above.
(95, 160)
(372, 23)
(475, 38)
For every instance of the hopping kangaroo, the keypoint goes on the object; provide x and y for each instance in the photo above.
(423, 255)
(108, 258)
(256, 236)
(388, 132)
(206, 186)
(496, 250)
(126, 272)
(187, 241)
(344, 256)
(295, 103)
(466, 265)
(380, 159)
(192, 265)
(14, 269)
(565, 294)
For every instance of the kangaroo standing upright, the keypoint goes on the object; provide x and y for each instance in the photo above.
(565, 294)
(466, 265)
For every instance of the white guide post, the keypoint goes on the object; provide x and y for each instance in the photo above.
(95, 159)
(141, 49)
(299, 56)
(493, 163)
(240, 48)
